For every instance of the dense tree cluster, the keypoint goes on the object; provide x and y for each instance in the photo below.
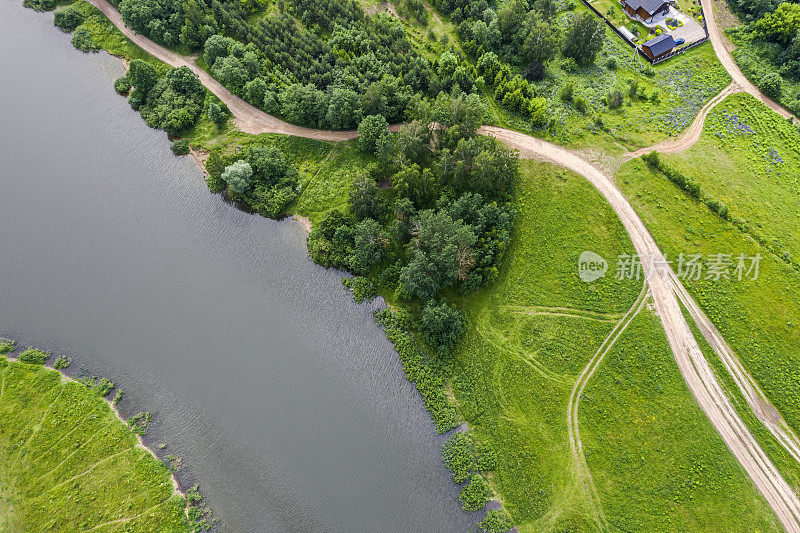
(316, 63)
(172, 102)
(260, 176)
(778, 27)
(441, 223)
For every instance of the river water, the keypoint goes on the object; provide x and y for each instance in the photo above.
(284, 401)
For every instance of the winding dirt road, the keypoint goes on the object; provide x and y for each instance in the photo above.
(664, 286)
(725, 57)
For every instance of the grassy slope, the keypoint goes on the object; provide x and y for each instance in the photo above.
(658, 463)
(759, 319)
(514, 372)
(69, 462)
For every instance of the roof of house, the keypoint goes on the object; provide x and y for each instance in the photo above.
(661, 44)
(651, 6)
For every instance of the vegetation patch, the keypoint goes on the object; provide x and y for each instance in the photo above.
(644, 434)
(70, 462)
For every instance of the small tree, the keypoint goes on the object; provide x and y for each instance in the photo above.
(772, 85)
(370, 130)
(216, 115)
(238, 176)
(584, 38)
(442, 325)
(365, 199)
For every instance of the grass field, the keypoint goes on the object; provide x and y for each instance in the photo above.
(749, 158)
(514, 371)
(758, 318)
(657, 461)
(67, 462)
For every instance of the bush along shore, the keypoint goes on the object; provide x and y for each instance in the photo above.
(79, 430)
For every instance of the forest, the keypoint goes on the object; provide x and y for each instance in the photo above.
(328, 65)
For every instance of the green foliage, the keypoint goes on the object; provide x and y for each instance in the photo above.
(82, 40)
(52, 433)
(459, 457)
(122, 85)
(475, 495)
(781, 25)
(238, 176)
(67, 18)
(369, 245)
(442, 325)
(772, 85)
(584, 38)
(40, 5)
(366, 200)
(180, 146)
(102, 386)
(7, 346)
(362, 288)
(216, 115)
(118, 397)
(417, 369)
(140, 422)
(175, 101)
(62, 362)
(370, 130)
(496, 521)
(34, 356)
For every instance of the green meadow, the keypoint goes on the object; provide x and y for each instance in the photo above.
(68, 463)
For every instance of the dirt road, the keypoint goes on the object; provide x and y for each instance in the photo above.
(725, 57)
(248, 118)
(692, 134)
(693, 366)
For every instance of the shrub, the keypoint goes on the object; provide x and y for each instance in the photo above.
(7, 346)
(118, 397)
(67, 19)
(62, 362)
(180, 147)
(140, 422)
(485, 457)
(238, 176)
(370, 130)
(611, 63)
(475, 495)
(442, 325)
(419, 372)
(122, 85)
(216, 115)
(772, 85)
(82, 40)
(458, 456)
(34, 356)
(567, 91)
(40, 5)
(362, 288)
(614, 99)
(496, 521)
(580, 105)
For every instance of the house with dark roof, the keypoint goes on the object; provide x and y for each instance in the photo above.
(659, 46)
(645, 8)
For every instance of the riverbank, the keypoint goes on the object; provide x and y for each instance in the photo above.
(61, 437)
(344, 189)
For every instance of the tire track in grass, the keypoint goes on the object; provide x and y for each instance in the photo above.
(576, 445)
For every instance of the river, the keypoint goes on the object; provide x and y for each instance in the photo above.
(284, 401)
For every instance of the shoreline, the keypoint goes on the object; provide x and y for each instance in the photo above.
(65, 378)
